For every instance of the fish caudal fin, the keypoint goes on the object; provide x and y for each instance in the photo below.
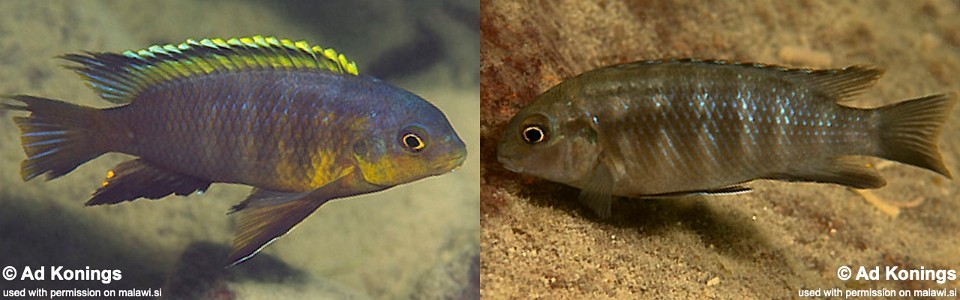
(57, 136)
(909, 131)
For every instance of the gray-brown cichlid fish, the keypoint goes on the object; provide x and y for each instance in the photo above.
(682, 127)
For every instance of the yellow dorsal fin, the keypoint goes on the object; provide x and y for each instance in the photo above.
(120, 77)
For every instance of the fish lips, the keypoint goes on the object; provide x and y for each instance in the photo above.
(457, 158)
(508, 158)
(455, 155)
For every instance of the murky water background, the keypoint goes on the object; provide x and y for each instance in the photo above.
(416, 240)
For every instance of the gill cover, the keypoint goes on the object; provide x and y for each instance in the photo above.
(392, 159)
(537, 143)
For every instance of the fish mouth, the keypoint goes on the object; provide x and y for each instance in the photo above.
(453, 161)
(509, 163)
(512, 169)
(459, 155)
(457, 161)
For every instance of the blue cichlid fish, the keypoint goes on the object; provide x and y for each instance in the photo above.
(683, 127)
(296, 122)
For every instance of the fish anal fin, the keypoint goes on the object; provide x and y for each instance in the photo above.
(135, 179)
(597, 193)
(265, 216)
(843, 171)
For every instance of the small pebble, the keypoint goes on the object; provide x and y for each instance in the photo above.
(713, 281)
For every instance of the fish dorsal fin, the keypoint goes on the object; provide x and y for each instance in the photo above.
(120, 77)
(836, 84)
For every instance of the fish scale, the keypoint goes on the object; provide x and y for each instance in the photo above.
(687, 127)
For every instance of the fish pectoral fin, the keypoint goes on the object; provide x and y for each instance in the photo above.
(597, 194)
(262, 198)
(136, 178)
(844, 171)
(730, 190)
(266, 215)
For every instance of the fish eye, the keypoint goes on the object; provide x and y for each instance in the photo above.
(535, 128)
(413, 139)
(413, 142)
(533, 134)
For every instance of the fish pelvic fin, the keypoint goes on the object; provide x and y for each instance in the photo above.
(57, 136)
(597, 194)
(119, 78)
(134, 179)
(909, 131)
(723, 191)
(266, 216)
